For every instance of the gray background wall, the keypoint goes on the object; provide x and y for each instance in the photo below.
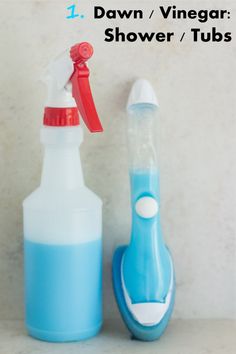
(196, 89)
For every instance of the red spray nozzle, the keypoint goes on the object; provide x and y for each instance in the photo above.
(81, 52)
(81, 91)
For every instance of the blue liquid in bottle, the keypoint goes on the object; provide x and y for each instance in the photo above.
(63, 291)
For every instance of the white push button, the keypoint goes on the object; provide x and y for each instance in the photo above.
(146, 207)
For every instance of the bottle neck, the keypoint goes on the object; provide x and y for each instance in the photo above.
(62, 166)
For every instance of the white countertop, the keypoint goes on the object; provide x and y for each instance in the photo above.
(181, 337)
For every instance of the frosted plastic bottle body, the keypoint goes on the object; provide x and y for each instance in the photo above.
(63, 245)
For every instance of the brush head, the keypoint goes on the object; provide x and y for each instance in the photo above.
(138, 331)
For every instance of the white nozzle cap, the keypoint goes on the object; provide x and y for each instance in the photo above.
(61, 69)
(59, 87)
(142, 93)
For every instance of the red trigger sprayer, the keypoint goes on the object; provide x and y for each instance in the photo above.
(81, 91)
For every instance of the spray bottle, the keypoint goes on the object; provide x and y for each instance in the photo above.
(63, 218)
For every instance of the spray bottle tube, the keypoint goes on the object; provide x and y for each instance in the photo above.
(63, 218)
